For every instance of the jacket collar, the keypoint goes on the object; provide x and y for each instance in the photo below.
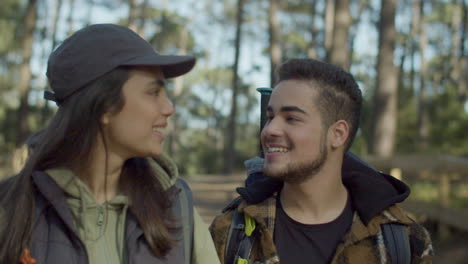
(371, 191)
(54, 195)
(264, 213)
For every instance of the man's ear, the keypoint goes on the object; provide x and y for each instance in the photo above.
(338, 133)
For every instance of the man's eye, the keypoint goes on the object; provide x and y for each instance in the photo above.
(291, 119)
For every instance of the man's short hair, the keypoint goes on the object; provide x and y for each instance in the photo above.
(339, 96)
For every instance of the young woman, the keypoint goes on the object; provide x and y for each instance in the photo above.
(97, 187)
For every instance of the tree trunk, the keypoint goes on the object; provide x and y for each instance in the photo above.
(353, 30)
(459, 59)
(43, 52)
(58, 6)
(311, 50)
(463, 82)
(339, 55)
(274, 36)
(137, 15)
(456, 37)
(229, 148)
(29, 22)
(174, 143)
(329, 20)
(143, 14)
(89, 12)
(415, 27)
(423, 114)
(385, 97)
(71, 28)
(132, 14)
(401, 69)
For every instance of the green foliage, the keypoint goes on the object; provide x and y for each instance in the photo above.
(9, 23)
(429, 192)
(407, 128)
(202, 112)
(424, 191)
(460, 192)
(442, 12)
(8, 124)
(10, 17)
(199, 153)
(8, 35)
(201, 150)
(295, 7)
(296, 46)
(169, 31)
(203, 102)
(448, 134)
(208, 87)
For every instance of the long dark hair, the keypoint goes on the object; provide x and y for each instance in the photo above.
(66, 142)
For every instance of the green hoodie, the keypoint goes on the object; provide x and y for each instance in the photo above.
(102, 226)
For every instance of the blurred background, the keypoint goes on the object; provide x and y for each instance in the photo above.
(410, 58)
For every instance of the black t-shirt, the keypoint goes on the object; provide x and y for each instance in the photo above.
(300, 243)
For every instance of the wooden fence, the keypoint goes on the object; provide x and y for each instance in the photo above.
(444, 170)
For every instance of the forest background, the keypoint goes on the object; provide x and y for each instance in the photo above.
(409, 57)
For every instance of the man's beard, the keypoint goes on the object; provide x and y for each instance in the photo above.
(298, 172)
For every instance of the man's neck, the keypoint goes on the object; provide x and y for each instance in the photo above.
(318, 200)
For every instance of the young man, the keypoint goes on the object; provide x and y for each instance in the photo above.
(328, 207)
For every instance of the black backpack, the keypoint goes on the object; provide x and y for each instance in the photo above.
(240, 242)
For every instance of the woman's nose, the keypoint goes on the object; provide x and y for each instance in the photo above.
(168, 108)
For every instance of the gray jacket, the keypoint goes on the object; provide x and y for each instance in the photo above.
(55, 239)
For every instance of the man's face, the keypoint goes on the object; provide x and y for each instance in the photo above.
(293, 139)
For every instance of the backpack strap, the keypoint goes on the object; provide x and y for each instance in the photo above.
(235, 232)
(397, 243)
(186, 215)
(241, 237)
(240, 240)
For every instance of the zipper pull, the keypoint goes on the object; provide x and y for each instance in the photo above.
(100, 220)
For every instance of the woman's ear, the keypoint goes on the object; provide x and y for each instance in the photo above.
(339, 133)
(105, 119)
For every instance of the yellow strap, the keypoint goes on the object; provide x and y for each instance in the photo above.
(249, 225)
(242, 261)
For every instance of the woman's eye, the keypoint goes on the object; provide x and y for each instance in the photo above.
(155, 92)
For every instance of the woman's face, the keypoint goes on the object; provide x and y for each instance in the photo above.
(138, 129)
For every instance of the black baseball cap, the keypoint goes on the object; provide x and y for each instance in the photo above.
(96, 50)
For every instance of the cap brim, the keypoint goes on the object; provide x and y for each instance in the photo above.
(172, 65)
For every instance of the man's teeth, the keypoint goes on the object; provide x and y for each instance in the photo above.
(281, 150)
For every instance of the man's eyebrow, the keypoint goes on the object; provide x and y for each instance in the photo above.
(288, 108)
